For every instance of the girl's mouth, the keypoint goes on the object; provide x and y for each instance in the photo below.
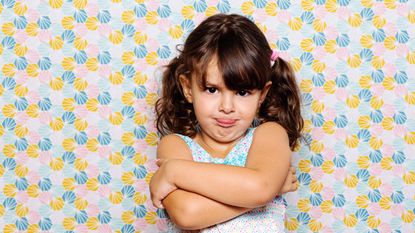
(223, 122)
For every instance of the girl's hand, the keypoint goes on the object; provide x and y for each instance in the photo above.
(290, 183)
(160, 184)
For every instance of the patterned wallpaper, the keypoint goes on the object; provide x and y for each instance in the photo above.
(79, 79)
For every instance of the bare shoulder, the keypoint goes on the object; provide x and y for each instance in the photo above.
(271, 131)
(173, 147)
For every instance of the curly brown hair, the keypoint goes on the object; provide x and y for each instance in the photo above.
(243, 58)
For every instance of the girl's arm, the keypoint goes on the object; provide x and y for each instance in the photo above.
(251, 186)
(190, 211)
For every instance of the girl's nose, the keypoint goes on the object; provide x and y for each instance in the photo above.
(227, 104)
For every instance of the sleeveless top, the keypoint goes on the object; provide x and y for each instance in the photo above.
(269, 218)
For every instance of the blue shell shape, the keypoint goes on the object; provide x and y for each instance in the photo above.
(9, 163)
(68, 197)
(307, 99)
(318, 79)
(45, 184)
(80, 16)
(316, 199)
(104, 138)
(319, 39)
(374, 195)
(80, 57)
(164, 52)
(401, 77)
(45, 104)
(140, 51)
(20, 63)
(342, 80)
(400, 118)
(8, 3)
(304, 178)
(362, 214)
(303, 218)
(320, 2)
(364, 135)
(22, 224)
(161, 213)
(367, 14)
(128, 71)
(363, 175)
(9, 83)
(140, 92)
(104, 98)
(128, 111)
(140, 10)
(104, 16)
(104, 217)
(104, 57)
(223, 6)
(340, 161)
(68, 157)
(81, 138)
(44, 63)
(200, 5)
(68, 117)
(341, 121)
(376, 116)
(140, 211)
(68, 36)
(21, 103)
(104, 177)
(308, 139)
(306, 58)
(338, 200)
(260, 3)
(128, 151)
(379, 35)
(68, 77)
(128, 30)
(127, 228)
(366, 54)
(397, 197)
(187, 25)
(80, 97)
(81, 177)
(10, 203)
(283, 4)
(20, 22)
(283, 44)
(128, 191)
(343, 40)
(402, 36)
(164, 11)
(375, 156)
(45, 144)
(9, 124)
(21, 184)
(140, 132)
(81, 217)
(365, 95)
(44, 22)
(317, 120)
(317, 160)
(21, 144)
(398, 157)
(307, 17)
(8, 42)
(45, 224)
(343, 2)
(140, 172)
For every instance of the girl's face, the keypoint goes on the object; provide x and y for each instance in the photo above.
(224, 115)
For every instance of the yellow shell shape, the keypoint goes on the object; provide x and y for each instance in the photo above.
(354, 61)
(116, 158)
(330, 46)
(188, 12)
(68, 104)
(56, 43)
(319, 25)
(329, 86)
(291, 224)
(373, 222)
(385, 203)
(80, 124)
(353, 101)
(331, 5)
(9, 190)
(411, 58)
(408, 216)
(57, 204)
(379, 21)
(21, 210)
(364, 122)
(248, 7)
(92, 223)
(374, 182)
(211, 10)
(390, 42)
(116, 197)
(128, 98)
(307, 5)
(363, 161)
(176, 32)
(317, 106)
(9, 110)
(295, 24)
(69, 223)
(409, 177)
(271, 9)
(355, 20)
(68, 63)
(92, 64)
(375, 143)
(329, 127)
(128, 138)
(350, 220)
(140, 119)
(80, 4)
(318, 66)
(386, 163)
(116, 78)
(68, 144)
(306, 85)
(92, 184)
(8, 29)
(92, 105)
(362, 201)
(304, 165)
(307, 45)
(128, 17)
(410, 138)
(128, 178)
(315, 226)
(55, 4)
(316, 186)
(352, 141)
(80, 203)
(139, 198)
(389, 83)
(326, 206)
(21, 170)
(80, 43)
(328, 167)
(92, 144)
(151, 139)
(20, 8)
(68, 22)
(116, 118)
(56, 84)
(9, 70)
(128, 217)
(32, 29)
(152, 58)
(351, 181)
(56, 164)
(33, 151)
(366, 41)
(128, 58)
(152, 17)
(92, 23)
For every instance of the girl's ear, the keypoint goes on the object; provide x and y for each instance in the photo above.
(186, 87)
(264, 92)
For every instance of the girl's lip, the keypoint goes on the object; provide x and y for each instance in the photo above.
(225, 122)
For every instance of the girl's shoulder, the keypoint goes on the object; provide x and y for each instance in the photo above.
(271, 128)
(173, 146)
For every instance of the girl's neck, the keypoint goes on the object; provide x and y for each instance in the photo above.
(215, 148)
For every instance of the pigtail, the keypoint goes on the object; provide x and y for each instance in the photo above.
(283, 102)
(173, 113)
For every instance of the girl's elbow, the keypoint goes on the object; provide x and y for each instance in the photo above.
(184, 217)
(265, 193)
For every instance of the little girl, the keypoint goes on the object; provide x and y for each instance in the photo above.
(230, 116)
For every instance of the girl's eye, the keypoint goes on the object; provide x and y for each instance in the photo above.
(211, 90)
(243, 93)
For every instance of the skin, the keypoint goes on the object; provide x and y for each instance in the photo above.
(227, 191)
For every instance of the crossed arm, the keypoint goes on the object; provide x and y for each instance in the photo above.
(202, 194)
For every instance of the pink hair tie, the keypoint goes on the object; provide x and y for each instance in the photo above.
(274, 57)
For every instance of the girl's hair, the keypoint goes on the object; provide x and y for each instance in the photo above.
(243, 57)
